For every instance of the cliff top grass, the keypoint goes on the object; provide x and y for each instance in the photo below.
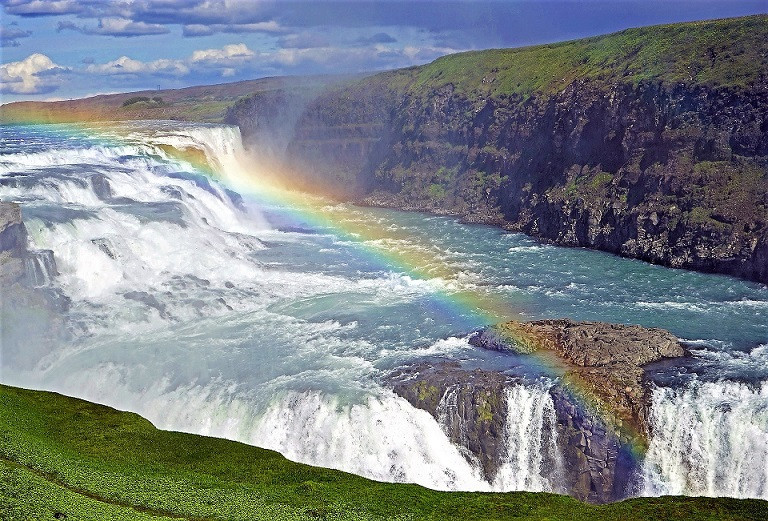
(61, 456)
(730, 52)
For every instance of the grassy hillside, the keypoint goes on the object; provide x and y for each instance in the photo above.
(730, 52)
(65, 457)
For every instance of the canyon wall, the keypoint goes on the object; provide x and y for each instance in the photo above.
(650, 143)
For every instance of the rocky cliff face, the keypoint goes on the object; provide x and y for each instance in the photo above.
(599, 395)
(479, 400)
(671, 169)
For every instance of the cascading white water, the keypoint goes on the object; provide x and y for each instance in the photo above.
(532, 459)
(383, 438)
(709, 439)
(40, 268)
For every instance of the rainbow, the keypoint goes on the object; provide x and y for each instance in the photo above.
(372, 239)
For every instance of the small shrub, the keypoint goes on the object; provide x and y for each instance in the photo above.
(135, 99)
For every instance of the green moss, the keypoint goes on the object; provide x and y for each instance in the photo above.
(487, 403)
(601, 180)
(135, 99)
(427, 393)
(90, 462)
(699, 215)
(436, 191)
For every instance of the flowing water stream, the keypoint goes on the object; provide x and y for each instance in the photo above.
(210, 308)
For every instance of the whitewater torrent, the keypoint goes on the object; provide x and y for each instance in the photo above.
(709, 439)
(210, 311)
(532, 459)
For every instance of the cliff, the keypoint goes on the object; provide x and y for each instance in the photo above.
(649, 143)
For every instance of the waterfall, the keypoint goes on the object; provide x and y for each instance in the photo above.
(185, 306)
(532, 460)
(383, 438)
(527, 456)
(709, 439)
(40, 267)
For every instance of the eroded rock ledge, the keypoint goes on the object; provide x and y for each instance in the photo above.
(599, 399)
(605, 362)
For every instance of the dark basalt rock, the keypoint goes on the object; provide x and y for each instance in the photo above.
(598, 466)
(13, 234)
(13, 243)
(599, 394)
(478, 401)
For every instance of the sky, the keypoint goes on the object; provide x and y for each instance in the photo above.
(63, 49)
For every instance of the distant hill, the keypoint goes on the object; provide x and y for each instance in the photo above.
(207, 103)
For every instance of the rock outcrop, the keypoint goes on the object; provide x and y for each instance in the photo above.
(480, 403)
(30, 311)
(13, 243)
(603, 361)
(599, 395)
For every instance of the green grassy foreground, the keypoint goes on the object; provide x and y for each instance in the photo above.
(61, 456)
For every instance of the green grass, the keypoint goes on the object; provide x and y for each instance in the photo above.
(62, 455)
(730, 52)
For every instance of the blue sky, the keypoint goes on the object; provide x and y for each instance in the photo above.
(58, 49)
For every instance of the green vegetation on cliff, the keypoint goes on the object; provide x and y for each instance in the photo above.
(61, 456)
(731, 52)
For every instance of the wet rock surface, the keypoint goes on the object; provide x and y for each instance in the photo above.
(598, 391)
(13, 243)
(604, 360)
(478, 402)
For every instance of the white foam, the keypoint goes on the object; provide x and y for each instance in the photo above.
(709, 439)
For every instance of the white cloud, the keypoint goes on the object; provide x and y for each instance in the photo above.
(126, 65)
(208, 29)
(227, 56)
(116, 27)
(42, 7)
(226, 60)
(35, 74)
